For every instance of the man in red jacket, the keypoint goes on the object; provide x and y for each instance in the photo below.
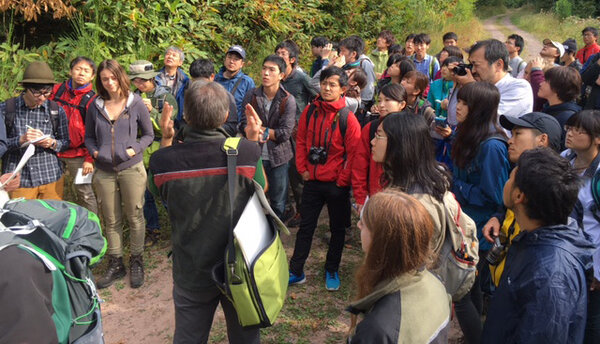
(327, 141)
(590, 38)
(75, 96)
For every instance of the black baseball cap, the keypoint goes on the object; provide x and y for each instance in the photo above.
(536, 120)
(570, 45)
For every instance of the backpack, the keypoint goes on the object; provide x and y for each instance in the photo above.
(67, 237)
(254, 273)
(83, 102)
(343, 116)
(11, 111)
(458, 257)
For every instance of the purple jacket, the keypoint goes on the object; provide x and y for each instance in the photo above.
(111, 140)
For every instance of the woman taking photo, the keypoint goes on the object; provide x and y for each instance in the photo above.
(395, 290)
(481, 167)
(583, 148)
(366, 173)
(112, 126)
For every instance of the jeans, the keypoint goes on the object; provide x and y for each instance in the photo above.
(151, 212)
(194, 312)
(277, 178)
(314, 196)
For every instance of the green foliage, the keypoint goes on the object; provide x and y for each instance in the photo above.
(128, 30)
(563, 8)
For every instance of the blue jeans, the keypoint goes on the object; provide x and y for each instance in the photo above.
(277, 178)
(151, 212)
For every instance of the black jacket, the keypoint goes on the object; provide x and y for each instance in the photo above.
(562, 112)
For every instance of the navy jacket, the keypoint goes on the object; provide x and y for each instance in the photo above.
(542, 296)
(562, 112)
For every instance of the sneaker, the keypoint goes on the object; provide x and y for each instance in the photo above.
(296, 279)
(332, 281)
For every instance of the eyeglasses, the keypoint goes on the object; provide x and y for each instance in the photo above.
(380, 137)
(41, 92)
(575, 130)
(138, 80)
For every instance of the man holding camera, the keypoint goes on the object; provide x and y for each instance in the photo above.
(328, 137)
(489, 62)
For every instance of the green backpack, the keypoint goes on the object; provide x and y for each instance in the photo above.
(256, 286)
(68, 239)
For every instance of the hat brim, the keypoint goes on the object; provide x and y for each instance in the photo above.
(146, 75)
(39, 81)
(509, 122)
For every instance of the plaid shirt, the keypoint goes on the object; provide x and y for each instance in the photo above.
(44, 166)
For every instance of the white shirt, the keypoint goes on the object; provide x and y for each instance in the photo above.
(516, 96)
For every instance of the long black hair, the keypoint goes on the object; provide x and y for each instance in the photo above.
(409, 162)
(482, 98)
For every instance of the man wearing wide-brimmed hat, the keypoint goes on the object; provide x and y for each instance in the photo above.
(31, 118)
(142, 75)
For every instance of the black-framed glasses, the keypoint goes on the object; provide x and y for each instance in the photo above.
(41, 92)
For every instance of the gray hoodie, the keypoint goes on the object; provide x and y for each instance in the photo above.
(111, 140)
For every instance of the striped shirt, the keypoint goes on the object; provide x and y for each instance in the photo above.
(44, 167)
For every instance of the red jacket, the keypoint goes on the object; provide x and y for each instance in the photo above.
(366, 173)
(586, 52)
(76, 123)
(340, 152)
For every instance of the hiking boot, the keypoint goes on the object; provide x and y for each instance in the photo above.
(332, 281)
(136, 271)
(294, 221)
(115, 270)
(151, 238)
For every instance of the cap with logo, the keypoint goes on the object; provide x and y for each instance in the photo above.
(142, 69)
(238, 50)
(570, 45)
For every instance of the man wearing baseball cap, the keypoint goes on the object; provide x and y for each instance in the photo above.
(232, 78)
(142, 75)
(529, 131)
(552, 51)
(569, 58)
(31, 118)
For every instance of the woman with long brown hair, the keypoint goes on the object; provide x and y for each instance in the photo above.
(395, 291)
(111, 131)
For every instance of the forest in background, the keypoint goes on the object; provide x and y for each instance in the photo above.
(128, 30)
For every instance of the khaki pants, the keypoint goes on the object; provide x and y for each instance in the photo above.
(85, 192)
(47, 191)
(127, 188)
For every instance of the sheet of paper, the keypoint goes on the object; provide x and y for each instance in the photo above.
(81, 179)
(28, 154)
(253, 231)
(34, 141)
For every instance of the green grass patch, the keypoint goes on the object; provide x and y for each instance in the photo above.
(484, 12)
(548, 25)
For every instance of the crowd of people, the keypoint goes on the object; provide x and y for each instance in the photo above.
(398, 134)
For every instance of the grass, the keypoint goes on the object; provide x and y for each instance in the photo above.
(484, 12)
(546, 24)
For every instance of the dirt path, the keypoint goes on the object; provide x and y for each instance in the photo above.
(533, 44)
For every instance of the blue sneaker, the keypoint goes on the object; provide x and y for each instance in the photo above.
(332, 281)
(296, 279)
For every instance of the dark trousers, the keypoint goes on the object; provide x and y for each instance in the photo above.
(296, 182)
(151, 212)
(314, 196)
(194, 312)
(592, 325)
(470, 307)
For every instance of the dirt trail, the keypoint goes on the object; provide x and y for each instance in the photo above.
(533, 44)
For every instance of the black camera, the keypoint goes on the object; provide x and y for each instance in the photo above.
(497, 252)
(317, 155)
(461, 69)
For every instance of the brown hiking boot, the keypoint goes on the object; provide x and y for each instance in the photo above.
(115, 270)
(136, 271)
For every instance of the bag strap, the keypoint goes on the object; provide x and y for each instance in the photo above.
(235, 87)
(230, 146)
(9, 114)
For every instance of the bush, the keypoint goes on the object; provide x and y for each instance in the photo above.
(563, 8)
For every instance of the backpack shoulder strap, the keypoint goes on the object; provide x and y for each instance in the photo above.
(9, 114)
(311, 110)
(54, 116)
(283, 102)
(83, 103)
(431, 67)
(344, 112)
(60, 91)
(237, 84)
(230, 146)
